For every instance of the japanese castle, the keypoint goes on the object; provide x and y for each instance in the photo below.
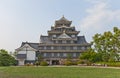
(62, 40)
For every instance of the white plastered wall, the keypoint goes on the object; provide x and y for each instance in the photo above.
(31, 55)
(29, 51)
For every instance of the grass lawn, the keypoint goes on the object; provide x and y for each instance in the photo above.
(58, 72)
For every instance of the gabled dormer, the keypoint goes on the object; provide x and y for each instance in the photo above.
(64, 36)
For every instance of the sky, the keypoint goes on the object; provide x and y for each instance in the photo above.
(26, 20)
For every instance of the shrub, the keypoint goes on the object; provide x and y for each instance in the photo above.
(44, 63)
(68, 63)
(37, 63)
(29, 64)
(6, 59)
(88, 63)
(81, 62)
(111, 64)
(74, 63)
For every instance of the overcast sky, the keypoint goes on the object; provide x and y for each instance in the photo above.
(26, 20)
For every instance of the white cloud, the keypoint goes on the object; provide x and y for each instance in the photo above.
(99, 17)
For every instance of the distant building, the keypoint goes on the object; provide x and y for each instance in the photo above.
(62, 40)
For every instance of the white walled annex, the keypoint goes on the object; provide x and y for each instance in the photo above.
(21, 52)
(31, 55)
(28, 51)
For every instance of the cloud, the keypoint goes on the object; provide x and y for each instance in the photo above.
(99, 17)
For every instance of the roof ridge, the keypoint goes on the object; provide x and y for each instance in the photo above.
(30, 42)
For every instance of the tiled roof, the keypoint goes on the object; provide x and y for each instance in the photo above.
(45, 39)
(81, 40)
(63, 19)
(33, 45)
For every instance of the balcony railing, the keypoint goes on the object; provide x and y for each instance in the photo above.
(57, 44)
(61, 50)
(68, 32)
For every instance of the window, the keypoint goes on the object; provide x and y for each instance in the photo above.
(59, 47)
(71, 41)
(68, 48)
(56, 41)
(74, 54)
(52, 48)
(44, 54)
(58, 54)
(83, 48)
(54, 35)
(64, 54)
(55, 47)
(60, 41)
(44, 47)
(79, 48)
(52, 54)
(63, 47)
(48, 47)
(72, 35)
(71, 47)
(74, 48)
(64, 41)
(68, 41)
(41, 47)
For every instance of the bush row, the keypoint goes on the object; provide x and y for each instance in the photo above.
(111, 64)
(80, 62)
(43, 63)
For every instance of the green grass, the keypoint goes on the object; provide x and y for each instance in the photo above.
(58, 72)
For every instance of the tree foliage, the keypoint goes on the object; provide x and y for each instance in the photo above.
(105, 47)
(91, 56)
(108, 44)
(6, 59)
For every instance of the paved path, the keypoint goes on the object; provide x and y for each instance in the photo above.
(81, 66)
(71, 66)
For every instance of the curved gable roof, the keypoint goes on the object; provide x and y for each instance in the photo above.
(81, 40)
(64, 35)
(34, 46)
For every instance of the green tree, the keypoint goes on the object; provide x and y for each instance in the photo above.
(6, 59)
(40, 58)
(107, 44)
(69, 57)
(91, 56)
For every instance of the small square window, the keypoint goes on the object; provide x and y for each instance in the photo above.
(44, 54)
(58, 54)
(75, 48)
(45, 48)
(52, 54)
(54, 35)
(83, 48)
(64, 54)
(64, 41)
(72, 35)
(52, 48)
(74, 54)
(71, 41)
